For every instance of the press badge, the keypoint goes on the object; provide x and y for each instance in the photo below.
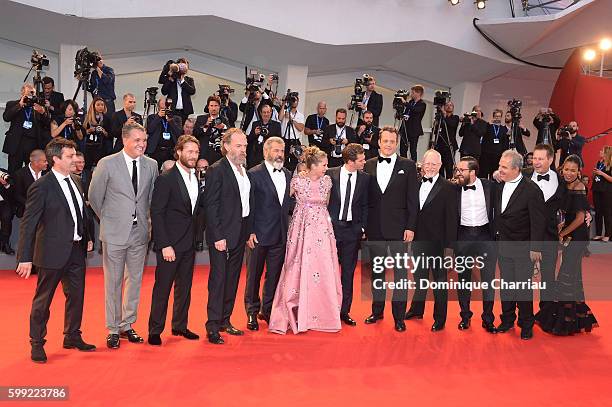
(496, 141)
(166, 135)
(27, 124)
(366, 146)
(260, 139)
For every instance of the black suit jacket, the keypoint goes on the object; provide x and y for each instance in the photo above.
(209, 138)
(523, 222)
(155, 129)
(222, 205)
(47, 228)
(395, 210)
(248, 110)
(472, 134)
(22, 179)
(554, 203)
(255, 148)
(359, 205)
(56, 99)
(375, 105)
(172, 220)
(437, 220)
(414, 128)
(270, 219)
(13, 113)
(489, 146)
(330, 133)
(118, 120)
(490, 193)
(187, 90)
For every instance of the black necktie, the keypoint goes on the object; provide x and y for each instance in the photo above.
(468, 187)
(347, 199)
(544, 177)
(135, 177)
(77, 208)
(276, 169)
(387, 159)
(425, 179)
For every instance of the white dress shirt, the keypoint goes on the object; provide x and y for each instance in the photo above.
(61, 179)
(344, 177)
(425, 189)
(34, 174)
(244, 185)
(191, 182)
(474, 206)
(297, 117)
(179, 94)
(384, 171)
(279, 180)
(548, 187)
(508, 190)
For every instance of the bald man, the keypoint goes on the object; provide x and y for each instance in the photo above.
(315, 123)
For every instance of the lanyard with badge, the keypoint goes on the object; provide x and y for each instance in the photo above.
(27, 123)
(337, 152)
(67, 132)
(165, 134)
(496, 129)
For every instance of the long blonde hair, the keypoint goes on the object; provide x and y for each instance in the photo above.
(607, 157)
(90, 119)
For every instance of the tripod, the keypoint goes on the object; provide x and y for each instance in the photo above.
(83, 78)
(437, 135)
(290, 140)
(149, 103)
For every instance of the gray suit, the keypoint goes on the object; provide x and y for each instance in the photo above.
(124, 244)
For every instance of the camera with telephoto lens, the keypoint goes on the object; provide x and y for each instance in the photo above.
(514, 107)
(174, 69)
(399, 102)
(38, 60)
(441, 97)
(217, 121)
(168, 108)
(224, 92)
(467, 117)
(77, 122)
(290, 98)
(32, 98)
(565, 131)
(5, 176)
(84, 61)
(359, 92)
(263, 131)
(297, 150)
(254, 83)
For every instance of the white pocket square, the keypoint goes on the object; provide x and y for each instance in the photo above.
(400, 172)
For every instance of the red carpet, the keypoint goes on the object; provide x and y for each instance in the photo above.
(366, 365)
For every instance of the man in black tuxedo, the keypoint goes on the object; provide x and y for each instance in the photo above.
(123, 116)
(178, 87)
(554, 190)
(25, 176)
(29, 126)
(494, 143)
(270, 208)
(163, 132)
(348, 209)
(435, 235)
(392, 217)
(472, 132)
(261, 131)
(174, 206)
(53, 236)
(208, 129)
(475, 238)
(520, 221)
(336, 137)
(411, 128)
(367, 135)
(6, 212)
(372, 101)
(53, 99)
(227, 206)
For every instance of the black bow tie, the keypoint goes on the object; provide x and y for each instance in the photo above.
(544, 177)
(468, 187)
(425, 179)
(387, 159)
(276, 169)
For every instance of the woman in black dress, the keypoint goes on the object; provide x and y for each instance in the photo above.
(569, 314)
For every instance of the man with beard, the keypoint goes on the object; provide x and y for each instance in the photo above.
(174, 208)
(570, 142)
(262, 130)
(227, 207)
(335, 137)
(367, 135)
(208, 129)
(519, 133)
(270, 183)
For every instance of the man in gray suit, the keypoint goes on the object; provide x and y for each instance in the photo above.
(120, 194)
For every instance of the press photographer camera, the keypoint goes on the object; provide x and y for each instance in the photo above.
(569, 141)
(367, 135)
(229, 108)
(400, 99)
(514, 107)
(163, 132)
(254, 96)
(84, 61)
(515, 130)
(38, 60)
(290, 99)
(209, 129)
(69, 122)
(547, 122)
(262, 130)
(469, 117)
(178, 87)
(359, 91)
(315, 124)
(336, 136)
(441, 98)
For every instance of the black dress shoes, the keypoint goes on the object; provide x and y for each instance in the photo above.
(199, 246)
(503, 328)
(526, 333)
(489, 327)
(264, 317)
(215, 338)
(412, 315)
(372, 319)
(112, 341)
(154, 340)
(437, 326)
(6, 248)
(347, 320)
(464, 324)
(400, 326)
(231, 330)
(252, 324)
(78, 343)
(38, 354)
(187, 334)
(131, 336)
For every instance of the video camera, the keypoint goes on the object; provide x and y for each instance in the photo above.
(514, 107)
(224, 92)
(151, 96)
(38, 60)
(565, 132)
(467, 117)
(84, 61)
(174, 69)
(399, 102)
(359, 91)
(254, 82)
(441, 98)
(290, 98)
(33, 98)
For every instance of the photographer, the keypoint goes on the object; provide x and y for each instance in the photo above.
(335, 137)
(411, 128)
(102, 84)
(229, 108)
(446, 143)
(188, 126)
(249, 106)
(262, 130)
(28, 129)
(472, 131)
(367, 135)
(292, 126)
(123, 116)
(315, 124)
(372, 100)
(178, 86)
(6, 212)
(494, 143)
(520, 132)
(201, 167)
(67, 124)
(209, 128)
(53, 99)
(547, 122)
(569, 141)
(98, 130)
(163, 132)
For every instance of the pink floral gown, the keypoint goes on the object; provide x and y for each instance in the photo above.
(309, 292)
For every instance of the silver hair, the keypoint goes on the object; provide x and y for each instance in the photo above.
(516, 159)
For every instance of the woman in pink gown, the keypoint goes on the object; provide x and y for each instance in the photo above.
(309, 293)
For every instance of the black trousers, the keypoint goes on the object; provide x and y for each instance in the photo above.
(200, 224)
(474, 242)
(439, 274)
(489, 163)
(409, 145)
(93, 152)
(516, 268)
(223, 281)
(273, 258)
(608, 213)
(162, 154)
(22, 156)
(379, 293)
(348, 252)
(6, 221)
(599, 201)
(180, 273)
(72, 276)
